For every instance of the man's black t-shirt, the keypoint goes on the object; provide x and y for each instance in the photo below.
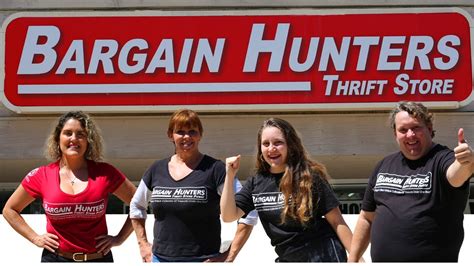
(263, 194)
(187, 211)
(418, 214)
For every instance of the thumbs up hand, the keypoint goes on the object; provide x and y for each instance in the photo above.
(461, 138)
(463, 166)
(463, 152)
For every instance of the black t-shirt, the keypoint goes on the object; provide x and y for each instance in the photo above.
(418, 214)
(187, 211)
(262, 193)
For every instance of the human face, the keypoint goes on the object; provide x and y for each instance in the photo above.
(186, 138)
(73, 139)
(274, 149)
(413, 136)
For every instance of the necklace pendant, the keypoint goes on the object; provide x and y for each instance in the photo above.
(72, 182)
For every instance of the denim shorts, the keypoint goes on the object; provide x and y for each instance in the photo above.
(325, 250)
(48, 256)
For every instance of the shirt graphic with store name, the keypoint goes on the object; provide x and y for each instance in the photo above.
(400, 184)
(76, 219)
(262, 193)
(418, 214)
(187, 212)
(179, 194)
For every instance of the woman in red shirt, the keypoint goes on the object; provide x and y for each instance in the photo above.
(74, 191)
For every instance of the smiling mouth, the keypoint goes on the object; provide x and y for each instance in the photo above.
(412, 143)
(187, 144)
(274, 157)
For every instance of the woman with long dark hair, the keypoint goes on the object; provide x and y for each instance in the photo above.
(296, 205)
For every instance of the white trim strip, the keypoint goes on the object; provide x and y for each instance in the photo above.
(163, 87)
(294, 107)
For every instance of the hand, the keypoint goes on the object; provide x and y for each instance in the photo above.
(106, 242)
(222, 257)
(232, 165)
(47, 241)
(145, 251)
(463, 152)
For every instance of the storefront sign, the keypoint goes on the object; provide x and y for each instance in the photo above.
(119, 62)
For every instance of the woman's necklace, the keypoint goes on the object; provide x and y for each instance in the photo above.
(71, 180)
(69, 174)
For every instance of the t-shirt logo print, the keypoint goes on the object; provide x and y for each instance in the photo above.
(31, 174)
(180, 194)
(268, 201)
(401, 184)
(87, 210)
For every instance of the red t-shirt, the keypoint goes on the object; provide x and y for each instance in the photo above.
(76, 219)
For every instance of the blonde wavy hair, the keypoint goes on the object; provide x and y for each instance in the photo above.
(94, 150)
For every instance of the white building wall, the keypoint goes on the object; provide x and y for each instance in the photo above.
(14, 249)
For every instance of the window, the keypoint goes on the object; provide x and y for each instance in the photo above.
(350, 196)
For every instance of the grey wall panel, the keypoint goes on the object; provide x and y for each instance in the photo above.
(349, 144)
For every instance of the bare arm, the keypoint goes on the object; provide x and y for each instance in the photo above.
(138, 208)
(13, 207)
(125, 193)
(229, 210)
(241, 236)
(463, 167)
(143, 244)
(337, 222)
(244, 226)
(361, 237)
(104, 243)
